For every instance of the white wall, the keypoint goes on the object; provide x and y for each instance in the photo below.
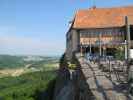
(131, 53)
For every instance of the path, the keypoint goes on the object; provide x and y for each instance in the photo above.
(101, 87)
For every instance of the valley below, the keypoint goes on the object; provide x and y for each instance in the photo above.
(27, 77)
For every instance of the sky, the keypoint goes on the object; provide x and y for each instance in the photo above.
(38, 27)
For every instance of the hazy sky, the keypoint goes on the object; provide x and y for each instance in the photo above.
(39, 26)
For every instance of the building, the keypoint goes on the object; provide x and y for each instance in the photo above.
(99, 27)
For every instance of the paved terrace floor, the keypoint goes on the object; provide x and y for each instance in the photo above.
(101, 86)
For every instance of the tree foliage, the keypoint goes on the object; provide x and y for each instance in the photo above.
(26, 87)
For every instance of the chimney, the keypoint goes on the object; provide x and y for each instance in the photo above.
(94, 7)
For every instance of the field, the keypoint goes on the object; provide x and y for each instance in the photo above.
(28, 77)
(17, 65)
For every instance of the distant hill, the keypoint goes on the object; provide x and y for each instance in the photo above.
(9, 61)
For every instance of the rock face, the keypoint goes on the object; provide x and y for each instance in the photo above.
(74, 88)
(64, 88)
(71, 84)
(66, 93)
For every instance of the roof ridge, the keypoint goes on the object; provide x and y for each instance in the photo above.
(116, 7)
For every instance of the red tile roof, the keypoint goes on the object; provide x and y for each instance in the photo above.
(103, 17)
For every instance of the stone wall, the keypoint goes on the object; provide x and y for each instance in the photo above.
(72, 42)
